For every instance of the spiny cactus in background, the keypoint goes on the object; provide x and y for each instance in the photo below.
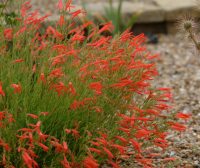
(188, 25)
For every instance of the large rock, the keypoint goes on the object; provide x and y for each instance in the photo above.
(176, 8)
(146, 12)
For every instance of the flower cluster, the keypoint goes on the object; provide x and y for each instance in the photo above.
(73, 97)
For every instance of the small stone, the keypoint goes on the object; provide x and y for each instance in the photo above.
(172, 153)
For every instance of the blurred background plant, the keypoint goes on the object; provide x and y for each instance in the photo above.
(113, 13)
(7, 14)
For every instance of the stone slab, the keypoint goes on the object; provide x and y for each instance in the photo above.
(145, 12)
(175, 8)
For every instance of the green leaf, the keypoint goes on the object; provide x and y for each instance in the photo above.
(2, 6)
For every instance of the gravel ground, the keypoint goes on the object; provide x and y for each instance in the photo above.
(179, 69)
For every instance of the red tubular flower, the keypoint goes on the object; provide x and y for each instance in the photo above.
(126, 36)
(44, 147)
(107, 27)
(56, 73)
(90, 162)
(1, 90)
(8, 34)
(97, 87)
(68, 131)
(28, 161)
(161, 143)
(169, 159)
(123, 140)
(4, 145)
(142, 133)
(18, 60)
(183, 116)
(72, 89)
(60, 5)
(65, 163)
(25, 7)
(120, 148)
(44, 113)
(54, 32)
(108, 152)
(42, 78)
(102, 41)
(136, 145)
(76, 104)
(17, 88)
(76, 13)
(75, 133)
(59, 147)
(32, 116)
(97, 151)
(60, 88)
(65, 147)
(2, 115)
(122, 83)
(61, 21)
(68, 5)
(21, 30)
(177, 126)
(113, 164)
(78, 37)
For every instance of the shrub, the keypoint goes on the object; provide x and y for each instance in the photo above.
(113, 13)
(71, 100)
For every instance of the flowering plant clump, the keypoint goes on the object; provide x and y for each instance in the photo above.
(68, 99)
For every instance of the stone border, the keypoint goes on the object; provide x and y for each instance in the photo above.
(156, 11)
